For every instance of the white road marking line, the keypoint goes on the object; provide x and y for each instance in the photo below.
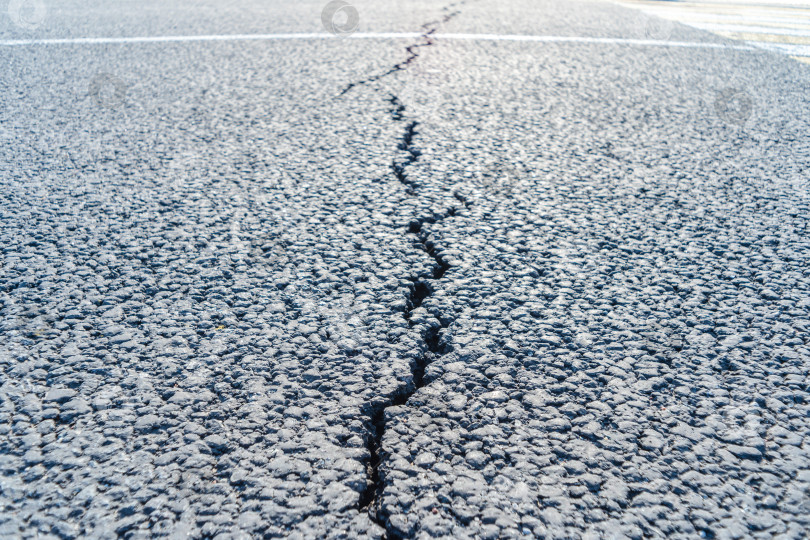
(403, 35)
(178, 39)
(575, 39)
(609, 41)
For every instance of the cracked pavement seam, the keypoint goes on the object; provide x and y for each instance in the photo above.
(428, 328)
(428, 29)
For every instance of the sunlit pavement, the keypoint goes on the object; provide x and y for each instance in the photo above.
(770, 24)
(478, 270)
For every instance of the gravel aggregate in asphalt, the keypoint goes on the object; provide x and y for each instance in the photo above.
(504, 290)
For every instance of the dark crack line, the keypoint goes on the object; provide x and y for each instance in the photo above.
(428, 29)
(422, 288)
(398, 109)
(462, 199)
(411, 155)
(370, 499)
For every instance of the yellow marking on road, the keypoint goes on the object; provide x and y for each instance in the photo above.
(720, 7)
(766, 38)
(778, 22)
(743, 22)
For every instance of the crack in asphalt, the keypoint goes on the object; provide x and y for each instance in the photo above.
(421, 290)
(411, 155)
(370, 498)
(428, 29)
(398, 110)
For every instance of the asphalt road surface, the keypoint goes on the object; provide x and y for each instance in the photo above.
(427, 279)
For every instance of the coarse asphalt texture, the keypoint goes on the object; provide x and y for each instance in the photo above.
(401, 288)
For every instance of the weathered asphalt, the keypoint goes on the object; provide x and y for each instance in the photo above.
(416, 287)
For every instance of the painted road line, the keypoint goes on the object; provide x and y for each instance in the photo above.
(776, 26)
(323, 36)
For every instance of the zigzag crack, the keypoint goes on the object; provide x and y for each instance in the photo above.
(412, 154)
(428, 29)
(370, 499)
